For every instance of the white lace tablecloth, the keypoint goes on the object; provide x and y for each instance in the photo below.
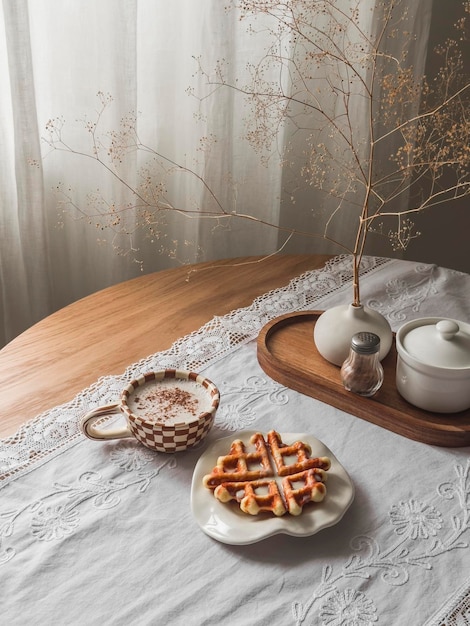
(102, 533)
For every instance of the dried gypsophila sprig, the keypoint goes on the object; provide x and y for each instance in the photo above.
(151, 200)
(422, 122)
(323, 64)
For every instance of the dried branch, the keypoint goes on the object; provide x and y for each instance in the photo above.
(323, 66)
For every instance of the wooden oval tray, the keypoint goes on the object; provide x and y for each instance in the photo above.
(287, 353)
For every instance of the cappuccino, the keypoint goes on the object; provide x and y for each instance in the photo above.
(170, 401)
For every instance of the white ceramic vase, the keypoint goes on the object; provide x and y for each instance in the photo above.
(335, 327)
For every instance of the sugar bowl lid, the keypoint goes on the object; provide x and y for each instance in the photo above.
(439, 342)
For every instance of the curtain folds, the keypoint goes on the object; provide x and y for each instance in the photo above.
(100, 99)
(24, 275)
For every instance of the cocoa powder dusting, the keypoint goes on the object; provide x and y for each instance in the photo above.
(168, 403)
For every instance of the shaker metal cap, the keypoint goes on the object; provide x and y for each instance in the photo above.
(365, 343)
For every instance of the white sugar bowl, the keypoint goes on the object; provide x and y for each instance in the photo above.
(433, 364)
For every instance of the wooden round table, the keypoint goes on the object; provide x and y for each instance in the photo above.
(105, 332)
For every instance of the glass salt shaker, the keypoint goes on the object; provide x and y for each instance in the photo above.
(362, 372)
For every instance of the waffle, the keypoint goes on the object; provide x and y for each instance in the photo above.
(253, 496)
(239, 465)
(312, 489)
(301, 451)
(266, 480)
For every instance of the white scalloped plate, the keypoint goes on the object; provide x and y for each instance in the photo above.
(228, 524)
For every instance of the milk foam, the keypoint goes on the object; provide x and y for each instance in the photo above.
(170, 401)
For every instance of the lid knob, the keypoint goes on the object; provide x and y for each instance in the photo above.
(447, 329)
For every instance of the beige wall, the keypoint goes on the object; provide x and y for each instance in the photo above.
(445, 238)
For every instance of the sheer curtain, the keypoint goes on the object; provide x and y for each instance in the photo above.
(80, 78)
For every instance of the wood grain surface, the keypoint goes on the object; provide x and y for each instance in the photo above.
(287, 353)
(103, 333)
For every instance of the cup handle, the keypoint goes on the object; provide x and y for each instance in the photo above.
(88, 428)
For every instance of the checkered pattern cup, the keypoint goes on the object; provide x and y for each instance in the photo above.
(157, 435)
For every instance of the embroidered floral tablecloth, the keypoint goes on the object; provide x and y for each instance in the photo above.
(102, 533)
